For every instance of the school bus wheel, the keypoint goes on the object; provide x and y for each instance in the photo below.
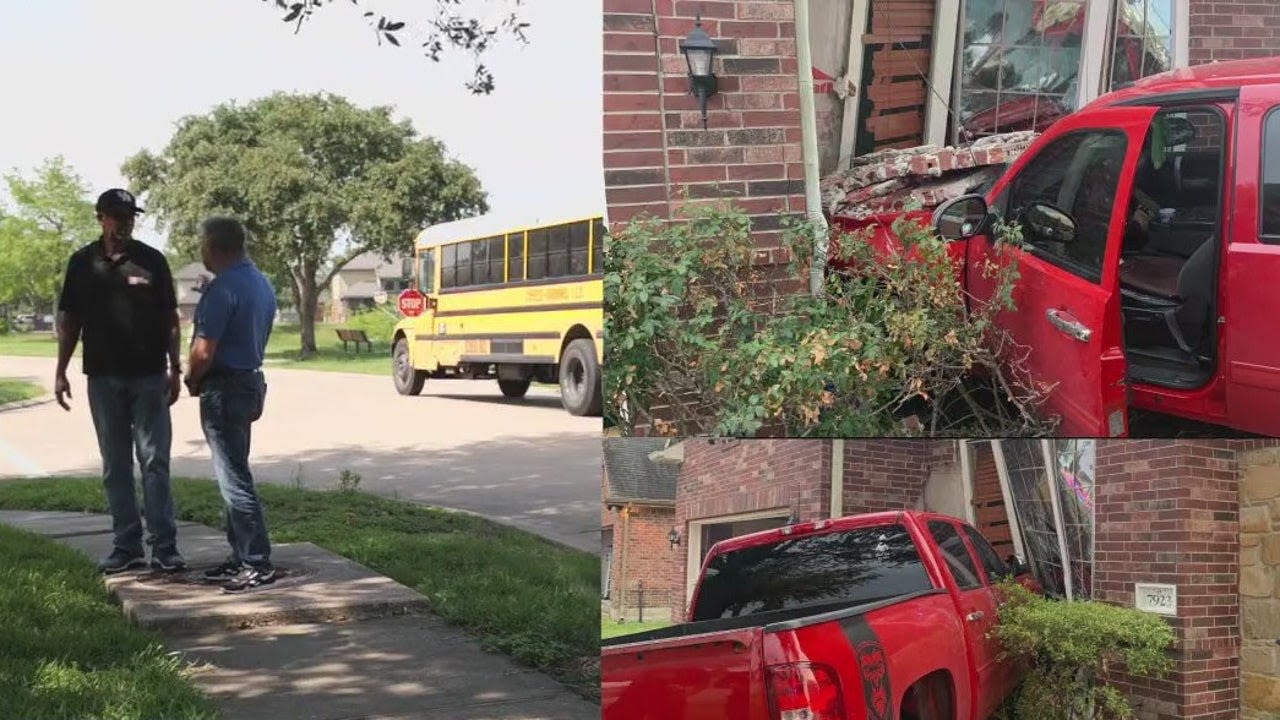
(580, 389)
(408, 380)
(514, 388)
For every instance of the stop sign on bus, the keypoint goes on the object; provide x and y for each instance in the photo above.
(412, 303)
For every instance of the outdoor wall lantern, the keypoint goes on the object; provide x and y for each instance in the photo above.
(673, 537)
(698, 50)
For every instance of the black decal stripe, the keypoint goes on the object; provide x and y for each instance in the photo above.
(873, 667)
(550, 307)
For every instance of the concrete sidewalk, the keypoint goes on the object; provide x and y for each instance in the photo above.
(329, 640)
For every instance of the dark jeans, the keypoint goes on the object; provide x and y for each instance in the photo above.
(131, 415)
(230, 402)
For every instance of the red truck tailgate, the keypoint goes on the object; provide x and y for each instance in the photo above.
(711, 676)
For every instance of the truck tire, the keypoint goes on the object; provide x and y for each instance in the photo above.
(514, 388)
(580, 386)
(408, 380)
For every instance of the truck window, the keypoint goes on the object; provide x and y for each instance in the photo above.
(1271, 179)
(955, 553)
(840, 568)
(987, 555)
(1079, 174)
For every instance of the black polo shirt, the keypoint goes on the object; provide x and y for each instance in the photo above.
(125, 307)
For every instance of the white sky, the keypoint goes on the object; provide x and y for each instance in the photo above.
(96, 81)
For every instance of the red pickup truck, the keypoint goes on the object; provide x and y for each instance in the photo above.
(1151, 251)
(869, 617)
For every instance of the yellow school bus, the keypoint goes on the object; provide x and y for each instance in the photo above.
(513, 303)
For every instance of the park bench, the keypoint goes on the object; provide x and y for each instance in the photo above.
(356, 337)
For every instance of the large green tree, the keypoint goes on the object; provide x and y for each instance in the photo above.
(316, 179)
(50, 217)
(452, 26)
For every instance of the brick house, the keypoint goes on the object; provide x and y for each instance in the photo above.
(639, 497)
(1092, 518)
(887, 74)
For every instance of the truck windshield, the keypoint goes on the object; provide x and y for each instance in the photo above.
(849, 568)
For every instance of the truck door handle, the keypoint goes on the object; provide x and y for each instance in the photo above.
(975, 616)
(1068, 325)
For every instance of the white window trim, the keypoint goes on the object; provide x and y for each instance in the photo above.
(693, 541)
(968, 480)
(1095, 50)
(942, 78)
(850, 122)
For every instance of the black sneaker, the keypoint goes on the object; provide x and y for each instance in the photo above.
(249, 578)
(168, 560)
(119, 561)
(225, 571)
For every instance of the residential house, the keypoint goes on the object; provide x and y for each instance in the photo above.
(1194, 521)
(638, 572)
(368, 280)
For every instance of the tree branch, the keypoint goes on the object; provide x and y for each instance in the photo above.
(340, 263)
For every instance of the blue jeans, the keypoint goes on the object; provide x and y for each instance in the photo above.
(229, 404)
(131, 415)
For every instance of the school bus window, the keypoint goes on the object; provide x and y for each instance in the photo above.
(464, 264)
(426, 274)
(558, 252)
(579, 240)
(497, 258)
(537, 254)
(479, 262)
(449, 266)
(515, 246)
(597, 252)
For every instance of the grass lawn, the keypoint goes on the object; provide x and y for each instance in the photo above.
(69, 653)
(517, 593)
(15, 390)
(612, 628)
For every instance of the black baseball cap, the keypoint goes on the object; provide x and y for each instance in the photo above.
(116, 200)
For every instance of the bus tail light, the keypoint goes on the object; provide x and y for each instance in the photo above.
(805, 691)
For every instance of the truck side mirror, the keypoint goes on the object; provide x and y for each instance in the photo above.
(1016, 566)
(961, 218)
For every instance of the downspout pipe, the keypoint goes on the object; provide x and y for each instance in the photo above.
(809, 146)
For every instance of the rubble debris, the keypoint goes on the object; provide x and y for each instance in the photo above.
(886, 181)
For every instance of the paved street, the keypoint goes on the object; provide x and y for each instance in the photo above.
(460, 444)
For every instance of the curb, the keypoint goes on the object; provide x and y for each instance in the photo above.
(22, 404)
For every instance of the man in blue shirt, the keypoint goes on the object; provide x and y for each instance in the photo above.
(232, 324)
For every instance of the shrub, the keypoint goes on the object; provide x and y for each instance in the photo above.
(700, 342)
(1069, 648)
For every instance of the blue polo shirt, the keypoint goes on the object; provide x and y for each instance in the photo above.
(237, 310)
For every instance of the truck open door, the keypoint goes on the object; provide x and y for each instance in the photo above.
(1069, 196)
(1251, 349)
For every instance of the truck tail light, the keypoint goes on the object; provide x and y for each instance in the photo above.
(805, 691)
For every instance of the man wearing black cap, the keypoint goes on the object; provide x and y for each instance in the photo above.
(118, 294)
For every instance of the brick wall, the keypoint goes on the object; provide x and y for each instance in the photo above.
(1168, 512)
(1233, 30)
(889, 474)
(751, 149)
(642, 553)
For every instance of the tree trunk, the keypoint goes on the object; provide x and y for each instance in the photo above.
(307, 297)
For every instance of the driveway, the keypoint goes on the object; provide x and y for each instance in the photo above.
(459, 445)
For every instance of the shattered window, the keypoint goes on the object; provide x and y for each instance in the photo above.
(1143, 40)
(1071, 478)
(1019, 64)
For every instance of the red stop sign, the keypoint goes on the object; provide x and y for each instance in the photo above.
(412, 303)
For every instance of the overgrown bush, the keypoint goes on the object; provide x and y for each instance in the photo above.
(702, 342)
(377, 323)
(1069, 647)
